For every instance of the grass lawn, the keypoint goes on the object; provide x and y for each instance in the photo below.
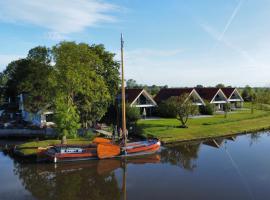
(30, 148)
(236, 122)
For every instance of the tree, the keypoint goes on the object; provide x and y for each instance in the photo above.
(77, 76)
(220, 85)
(109, 69)
(199, 86)
(154, 89)
(131, 83)
(184, 108)
(40, 54)
(66, 117)
(30, 76)
(132, 114)
(227, 108)
(253, 99)
(247, 93)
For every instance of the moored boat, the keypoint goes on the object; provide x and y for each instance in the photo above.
(60, 153)
(131, 149)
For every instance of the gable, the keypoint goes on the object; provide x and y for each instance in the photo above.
(219, 97)
(143, 100)
(195, 98)
(235, 96)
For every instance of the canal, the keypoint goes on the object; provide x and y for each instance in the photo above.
(232, 168)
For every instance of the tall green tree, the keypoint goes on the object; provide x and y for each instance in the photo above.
(40, 54)
(109, 68)
(77, 77)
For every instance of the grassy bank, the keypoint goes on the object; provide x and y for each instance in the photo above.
(168, 131)
(30, 148)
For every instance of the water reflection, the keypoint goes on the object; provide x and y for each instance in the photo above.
(84, 180)
(238, 163)
(183, 155)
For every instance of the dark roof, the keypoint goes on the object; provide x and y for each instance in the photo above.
(131, 94)
(228, 91)
(166, 93)
(207, 93)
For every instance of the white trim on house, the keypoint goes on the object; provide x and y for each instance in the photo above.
(145, 93)
(219, 91)
(239, 95)
(199, 97)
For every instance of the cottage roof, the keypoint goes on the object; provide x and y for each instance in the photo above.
(228, 91)
(207, 93)
(166, 93)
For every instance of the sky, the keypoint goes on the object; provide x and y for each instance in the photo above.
(177, 43)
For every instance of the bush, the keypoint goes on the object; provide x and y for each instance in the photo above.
(132, 115)
(208, 109)
(167, 109)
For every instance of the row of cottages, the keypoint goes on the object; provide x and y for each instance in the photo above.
(199, 96)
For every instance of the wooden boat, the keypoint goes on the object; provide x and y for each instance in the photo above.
(60, 153)
(131, 149)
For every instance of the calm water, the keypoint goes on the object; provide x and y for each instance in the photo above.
(238, 169)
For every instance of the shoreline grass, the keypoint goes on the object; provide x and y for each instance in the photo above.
(202, 128)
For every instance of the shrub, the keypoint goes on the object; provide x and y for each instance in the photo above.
(132, 115)
(208, 109)
(167, 109)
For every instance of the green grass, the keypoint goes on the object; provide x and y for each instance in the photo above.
(167, 130)
(30, 148)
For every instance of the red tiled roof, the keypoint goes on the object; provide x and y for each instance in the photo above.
(207, 93)
(228, 91)
(166, 93)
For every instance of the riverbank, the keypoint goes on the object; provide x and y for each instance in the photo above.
(168, 131)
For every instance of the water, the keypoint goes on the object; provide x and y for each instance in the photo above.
(238, 169)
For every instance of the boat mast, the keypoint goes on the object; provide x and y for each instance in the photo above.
(123, 93)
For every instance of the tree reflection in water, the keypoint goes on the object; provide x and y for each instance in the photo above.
(68, 181)
(84, 180)
(183, 155)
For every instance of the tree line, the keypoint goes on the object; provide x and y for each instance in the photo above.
(77, 81)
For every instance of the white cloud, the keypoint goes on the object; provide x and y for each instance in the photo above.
(55, 36)
(5, 59)
(58, 16)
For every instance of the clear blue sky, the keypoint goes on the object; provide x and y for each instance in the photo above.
(173, 42)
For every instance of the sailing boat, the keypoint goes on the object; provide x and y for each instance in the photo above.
(108, 150)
